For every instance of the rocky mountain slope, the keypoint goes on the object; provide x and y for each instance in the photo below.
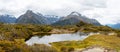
(75, 18)
(31, 18)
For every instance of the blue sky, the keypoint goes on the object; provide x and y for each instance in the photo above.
(105, 11)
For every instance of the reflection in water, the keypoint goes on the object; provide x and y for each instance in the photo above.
(55, 38)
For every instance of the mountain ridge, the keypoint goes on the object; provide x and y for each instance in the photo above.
(31, 18)
(7, 19)
(37, 18)
(74, 18)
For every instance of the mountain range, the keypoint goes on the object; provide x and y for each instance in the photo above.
(31, 17)
(115, 26)
(7, 19)
(36, 18)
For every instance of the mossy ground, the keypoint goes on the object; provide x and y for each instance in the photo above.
(112, 42)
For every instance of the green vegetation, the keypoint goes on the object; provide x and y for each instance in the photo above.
(42, 48)
(13, 37)
(103, 40)
(106, 41)
(83, 27)
(17, 31)
(66, 45)
(18, 45)
(92, 28)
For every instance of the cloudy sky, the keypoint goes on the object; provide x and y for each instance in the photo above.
(105, 11)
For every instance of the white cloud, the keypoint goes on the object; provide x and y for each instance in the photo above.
(95, 3)
(105, 11)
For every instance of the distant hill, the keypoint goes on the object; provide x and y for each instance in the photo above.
(75, 18)
(31, 18)
(7, 19)
(116, 26)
